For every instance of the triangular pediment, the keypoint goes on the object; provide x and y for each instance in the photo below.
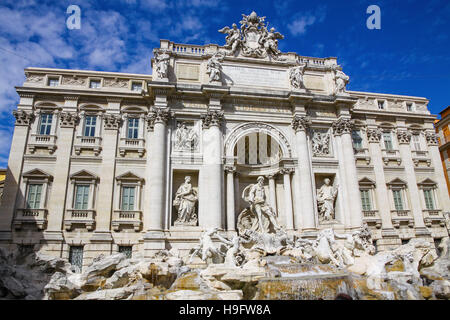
(397, 181)
(366, 181)
(83, 174)
(427, 182)
(129, 176)
(37, 174)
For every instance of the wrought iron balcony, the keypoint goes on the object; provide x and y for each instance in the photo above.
(135, 145)
(77, 216)
(402, 217)
(30, 216)
(127, 218)
(88, 143)
(42, 141)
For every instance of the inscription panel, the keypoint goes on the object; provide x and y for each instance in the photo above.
(249, 76)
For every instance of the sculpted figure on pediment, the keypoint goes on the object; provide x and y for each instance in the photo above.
(214, 67)
(233, 38)
(162, 64)
(341, 79)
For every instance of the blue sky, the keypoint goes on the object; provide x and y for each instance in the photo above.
(410, 54)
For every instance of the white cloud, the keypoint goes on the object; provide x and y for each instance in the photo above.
(302, 21)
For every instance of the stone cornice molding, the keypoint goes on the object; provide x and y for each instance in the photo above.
(114, 100)
(23, 118)
(26, 95)
(212, 118)
(112, 121)
(68, 119)
(374, 135)
(342, 126)
(300, 123)
(71, 98)
(403, 136)
(158, 115)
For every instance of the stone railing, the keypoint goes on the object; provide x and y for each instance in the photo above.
(123, 218)
(430, 216)
(79, 216)
(88, 143)
(418, 156)
(42, 141)
(362, 154)
(372, 218)
(136, 145)
(31, 216)
(389, 155)
(402, 216)
(188, 49)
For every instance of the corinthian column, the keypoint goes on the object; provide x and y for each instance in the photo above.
(343, 128)
(211, 173)
(288, 198)
(305, 214)
(156, 174)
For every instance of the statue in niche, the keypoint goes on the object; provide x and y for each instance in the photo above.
(185, 138)
(214, 66)
(162, 64)
(320, 143)
(340, 78)
(326, 196)
(296, 77)
(185, 199)
(259, 216)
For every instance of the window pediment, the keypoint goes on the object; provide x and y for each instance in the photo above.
(84, 175)
(366, 182)
(129, 177)
(397, 182)
(37, 174)
(427, 183)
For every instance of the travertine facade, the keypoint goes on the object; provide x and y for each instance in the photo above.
(99, 160)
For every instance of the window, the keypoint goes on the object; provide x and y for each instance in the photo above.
(81, 197)
(94, 84)
(128, 250)
(133, 128)
(381, 105)
(136, 86)
(76, 257)
(416, 142)
(128, 198)
(357, 139)
(365, 200)
(398, 202)
(429, 200)
(89, 126)
(34, 196)
(387, 138)
(46, 123)
(53, 82)
(409, 106)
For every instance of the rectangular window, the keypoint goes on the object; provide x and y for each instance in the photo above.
(128, 250)
(429, 200)
(53, 82)
(81, 197)
(133, 128)
(76, 257)
(89, 126)
(387, 138)
(357, 139)
(34, 196)
(365, 200)
(94, 84)
(409, 107)
(416, 142)
(46, 123)
(381, 105)
(398, 202)
(136, 86)
(128, 198)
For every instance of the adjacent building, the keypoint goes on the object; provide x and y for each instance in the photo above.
(104, 162)
(443, 132)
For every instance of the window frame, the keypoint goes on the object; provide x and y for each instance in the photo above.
(47, 124)
(35, 199)
(135, 121)
(89, 126)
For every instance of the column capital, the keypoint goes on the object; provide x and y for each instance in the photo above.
(432, 138)
(373, 135)
(229, 169)
(23, 118)
(300, 123)
(342, 126)
(158, 115)
(68, 119)
(112, 121)
(212, 118)
(403, 136)
(287, 171)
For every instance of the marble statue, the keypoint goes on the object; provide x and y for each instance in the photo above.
(259, 216)
(206, 249)
(185, 199)
(233, 38)
(214, 67)
(270, 40)
(296, 77)
(341, 79)
(325, 198)
(162, 64)
(185, 138)
(320, 143)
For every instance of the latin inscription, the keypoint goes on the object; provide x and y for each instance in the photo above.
(247, 76)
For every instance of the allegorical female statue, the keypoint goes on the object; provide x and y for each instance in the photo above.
(325, 198)
(185, 199)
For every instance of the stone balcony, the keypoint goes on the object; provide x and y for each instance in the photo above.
(430, 216)
(79, 217)
(362, 154)
(402, 217)
(37, 217)
(420, 156)
(88, 143)
(123, 218)
(391, 155)
(133, 145)
(372, 217)
(42, 141)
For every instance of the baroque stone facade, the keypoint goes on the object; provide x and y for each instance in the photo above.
(105, 162)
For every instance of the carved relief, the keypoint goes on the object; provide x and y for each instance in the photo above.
(73, 81)
(320, 143)
(34, 78)
(186, 139)
(116, 83)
